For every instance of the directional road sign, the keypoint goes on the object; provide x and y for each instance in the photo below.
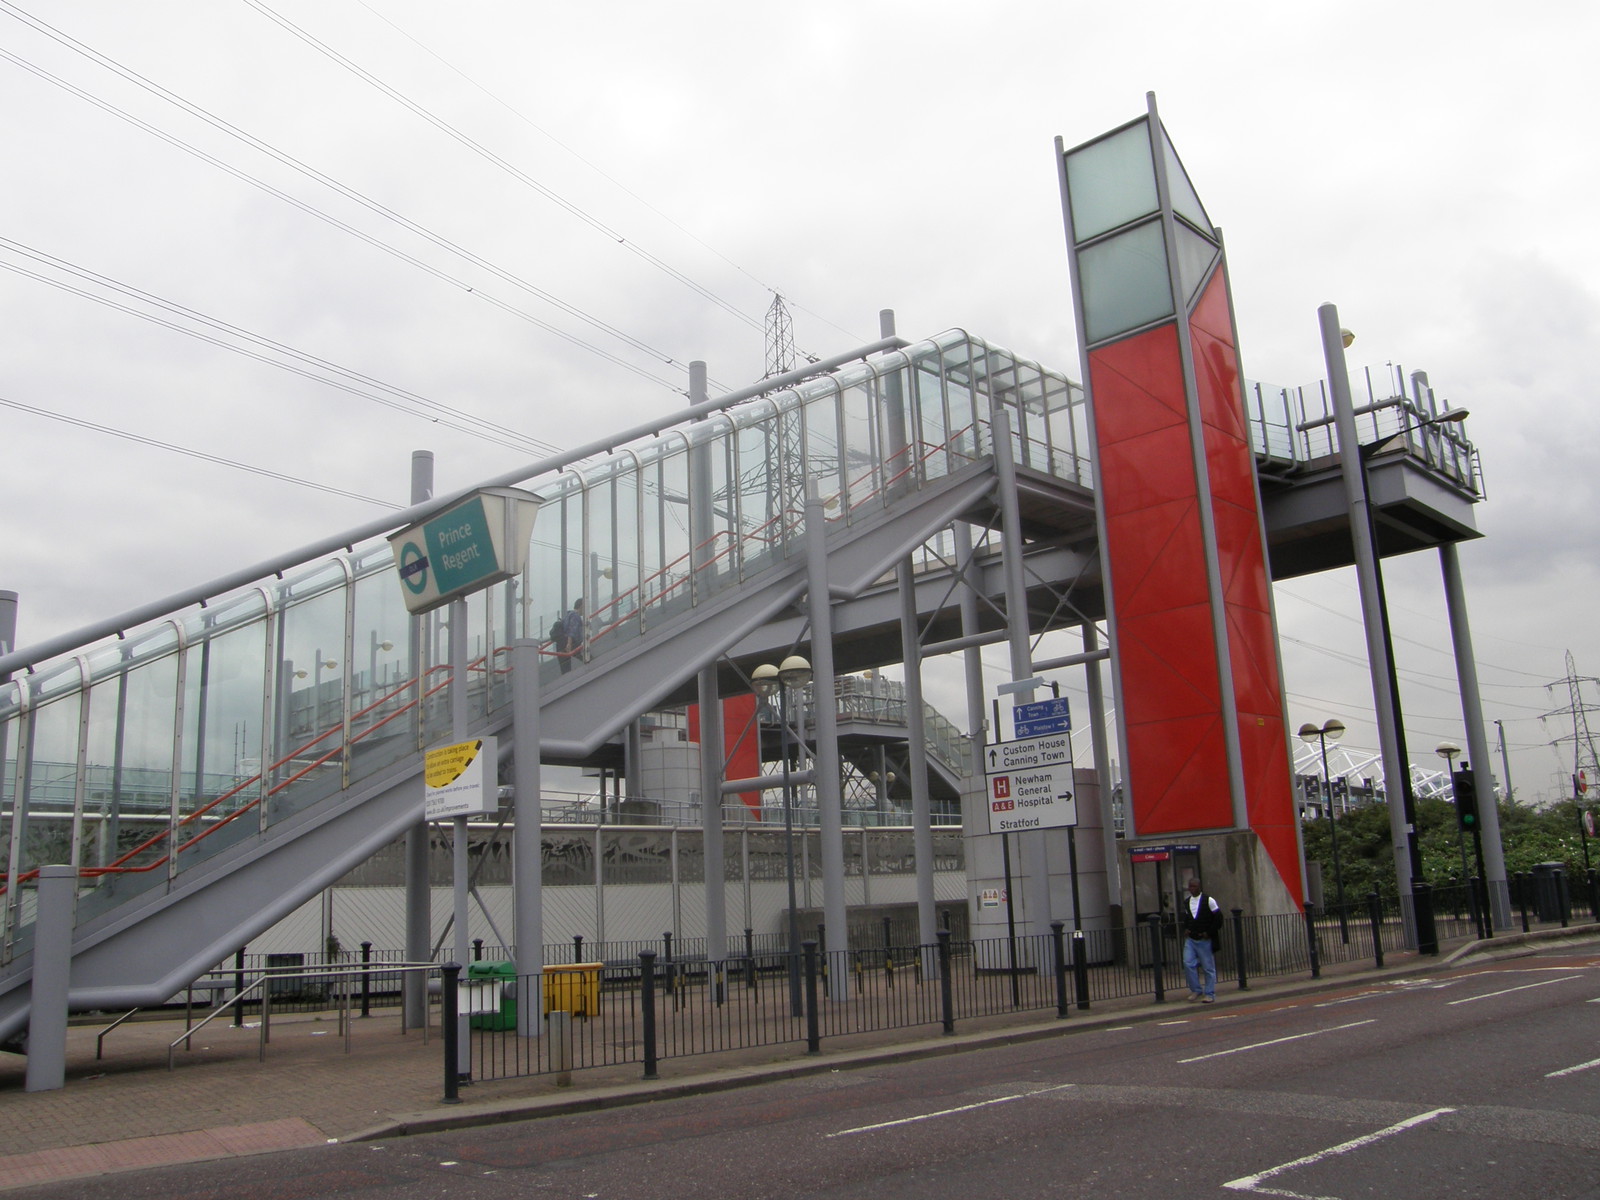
(1030, 785)
(1041, 716)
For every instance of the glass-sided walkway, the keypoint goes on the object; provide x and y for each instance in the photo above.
(174, 740)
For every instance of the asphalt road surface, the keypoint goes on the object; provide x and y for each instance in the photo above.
(1484, 1081)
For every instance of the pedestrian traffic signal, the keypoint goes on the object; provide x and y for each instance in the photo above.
(1466, 790)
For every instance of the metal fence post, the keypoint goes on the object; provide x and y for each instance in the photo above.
(1522, 898)
(1563, 899)
(813, 1033)
(749, 958)
(1080, 968)
(238, 988)
(577, 947)
(448, 1000)
(477, 949)
(366, 979)
(647, 1015)
(1155, 957)
(1311, 940)
(1375, 915)
(946, 988)
(1239, 949)
(1058, 954)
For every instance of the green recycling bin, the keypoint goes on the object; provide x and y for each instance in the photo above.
(482, 974)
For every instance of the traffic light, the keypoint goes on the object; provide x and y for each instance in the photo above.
(1466, 790)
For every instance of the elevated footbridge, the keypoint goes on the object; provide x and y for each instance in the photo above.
(209, 762)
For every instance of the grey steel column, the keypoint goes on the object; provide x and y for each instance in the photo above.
(52, 978)
(1103, 769)
(825, 715)
(1395, 771)
(419, 902)
(897, 438)
(711, 776)
(975, 802)
(1494, 859)
(1037, 869)
(916, 736)
(527, 853)
(711, 739)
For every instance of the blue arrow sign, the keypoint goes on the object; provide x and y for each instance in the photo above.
(1041, 716)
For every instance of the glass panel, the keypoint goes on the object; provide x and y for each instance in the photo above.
(1125, 282)
(308, 747)
(1184, 200)
(221, 780)
(862, 453)
(822, 461)
(141, 727)
(1111, 182)
(1195, 256)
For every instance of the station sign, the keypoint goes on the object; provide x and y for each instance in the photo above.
(1029, 784)
(480, 540)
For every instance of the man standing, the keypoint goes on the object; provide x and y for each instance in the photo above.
(1202, 921)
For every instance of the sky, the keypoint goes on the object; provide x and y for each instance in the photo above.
(517, 222)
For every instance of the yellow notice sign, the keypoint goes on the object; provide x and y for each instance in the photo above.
(460, 779)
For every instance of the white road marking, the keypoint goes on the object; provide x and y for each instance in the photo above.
(1507, 991)
(1349, 999)
(1294, 1037)
(1252, 1183)
(945, 1112)
(1595, 1062)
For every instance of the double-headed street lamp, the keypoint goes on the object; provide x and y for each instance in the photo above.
(1330, 731)
(793, 672)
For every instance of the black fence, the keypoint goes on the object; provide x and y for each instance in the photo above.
(670, 1004)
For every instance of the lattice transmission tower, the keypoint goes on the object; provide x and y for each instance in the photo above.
(1584, 759)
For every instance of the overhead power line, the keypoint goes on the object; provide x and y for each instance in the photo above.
(334, 185)
(430, 410)
(602, 172)
(494, 159)
(190, 452)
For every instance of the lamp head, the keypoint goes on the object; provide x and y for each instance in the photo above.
(1333, 729)
(1447, 750)
(1345, 338)
(1309, 732)
(795, 671)
(765, 680)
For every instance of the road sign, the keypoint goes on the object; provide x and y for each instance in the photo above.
(1581, 782)
(1029, 784)
(1041, 716)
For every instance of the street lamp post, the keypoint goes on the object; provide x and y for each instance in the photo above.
(793, 672)
(1330, 730)
(1448, 751)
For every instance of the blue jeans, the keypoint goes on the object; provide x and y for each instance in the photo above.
(1198, 957)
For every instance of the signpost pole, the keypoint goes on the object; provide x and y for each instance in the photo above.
(458, 731)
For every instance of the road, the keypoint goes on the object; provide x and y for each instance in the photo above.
(1482, 1081)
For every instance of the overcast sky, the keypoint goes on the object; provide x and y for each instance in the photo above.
(630, 182)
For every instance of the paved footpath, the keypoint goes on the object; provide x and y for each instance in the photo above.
(127, 1111)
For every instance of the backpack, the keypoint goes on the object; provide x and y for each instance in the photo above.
(558, 633)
